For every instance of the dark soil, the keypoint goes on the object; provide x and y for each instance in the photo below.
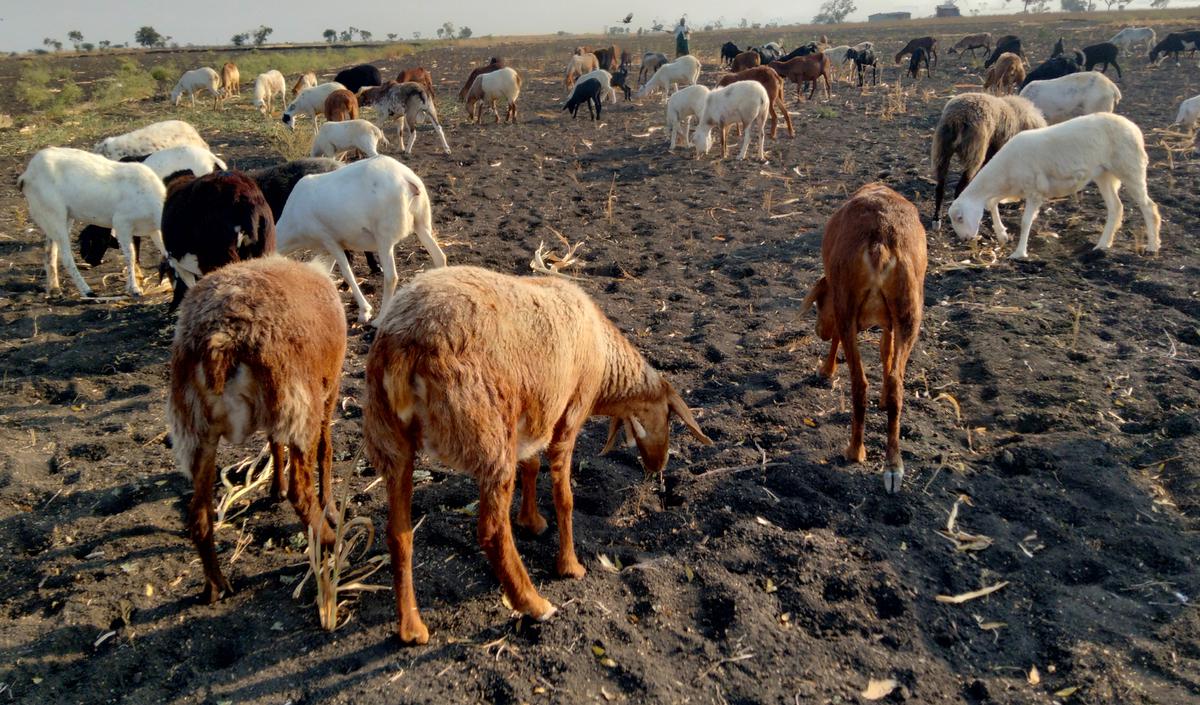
(1060, 395)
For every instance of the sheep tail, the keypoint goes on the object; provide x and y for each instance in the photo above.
(389, 405)
(945, 142)
(218, 359)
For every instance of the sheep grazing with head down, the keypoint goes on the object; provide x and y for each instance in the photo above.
(578, 65)
(1189, 113)
(771, 82)
(494, 64)
(929, 44)
(606, 84)
(258, 347)
(971, 42)
(147, 140)
(311, 102)
(1058, 161)
(1073, 95)
(874, 254)
(973, 127)
(1055, 67)
(453, 373)
(334, 139)
(369, 205)
(652, 61)
(231, 79)
(684, 106)
(340, 105)
(266, 85)
(490, 88)
(1175, 44)
(62, 184)
(684, 71)
(1132, 36)
(1005, 75)
(585, 93)
(410, 104)
(745, 103)
(863, 58)
(745, 60)
(201, 79)
(804, 69)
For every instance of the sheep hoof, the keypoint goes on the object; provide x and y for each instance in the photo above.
(413, 633)
(1019, 255)
(892, 479)
(571, 568)
(545, 614)
(89, 294)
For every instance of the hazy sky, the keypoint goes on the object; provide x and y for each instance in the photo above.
(24, 23)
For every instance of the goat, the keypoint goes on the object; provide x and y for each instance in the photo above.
(745, 60)
(803, 69)
(608, 58)
(874, 256)
(266, 85)
(258, 347)
(452, 373)
(606, 85)
(1073, 95)
(418, 75)
(971, 42)
(1174, 44)
(929, 44)
(862, 59)
(336, 138)
(837, 57)
(1005, 75)
(802, 50)
(578, 65)
(231, 79)
(1055, 67)
(914, 63)
(201, 79)
(489, 88)
(410, 104)
(355, 78)
(729, 52)
(340, 105)
(1131, 36)
(311, 101)
(620, 79)
(494, 64)
(303, 83)
(1103, 53)
(368, 205)
(742, 102)
(585, 92)
(1008, 44)
(147, 140)
(1057, 161)
(1189, 113)
(773, 84)
(652, 61)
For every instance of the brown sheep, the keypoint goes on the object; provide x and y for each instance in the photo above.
(745, 60)
(418, 75)
(774, 85)
(873, 250)
(492, 65)
(1005, 75)
(578, 65)
(929, 44)
(971, 42)
(804, 68)
(341, 105)
(608, 58)
(231, 79)
(305, 81)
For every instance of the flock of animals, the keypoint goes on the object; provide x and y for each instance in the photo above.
(260, 338)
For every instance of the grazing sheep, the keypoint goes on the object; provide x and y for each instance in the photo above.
(914, 63)
(369, 205)
(803, 69)
(770, 81)
(606, 86)
(1132, 36)
(874, 254)
(454, 373)
(837, 57)
(745, 103)
(213, 221)
(311, 101)
(340, 105)
(620, 79)
(355, 78)
(418, 75)
(863, 58)
(266, 85)
(745, 60)
(147, 140)
(1058, 161)
(501, 84)
(1103, 53)
(729, 52)
(231, 79)
(1008, 44)
(608, 58)
(864, 46)
(1189, 113)
(411, 104)
(258, 347)
(62, 184)
(803, 50)
(586, 92)
(494, 64)
(578, 65)
(768, 52)
(306, 81)
(1073, 95)
(683, 106)
(683, 71)
(1005, 75)
(201, 79)
(971, 42)
(973, 127)
(1054, 68)
(337, 138)
(1175, 44)
(652, 61)
(929, 44)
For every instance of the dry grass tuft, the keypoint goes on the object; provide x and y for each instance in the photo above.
(255, 472)
(557, 263)
(334, 574)
(290, 144)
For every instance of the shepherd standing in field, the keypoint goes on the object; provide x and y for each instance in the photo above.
(682, 34)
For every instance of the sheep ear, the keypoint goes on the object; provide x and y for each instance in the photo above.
(680, 409)
(614, 425)
(819, 290)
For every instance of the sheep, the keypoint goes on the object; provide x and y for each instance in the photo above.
(652, 61)
(494, 64)
(1005, 75)
(411, 104)
(620, 79)
(586, 92)
(802, 50)
(201, 79)
(1054, 68)
(744, 102)
(864, 46)
(578, 65)
(303, 83)
(340, 105)
(453, 372)
(491, 87)
(356, 78)
(1131, 36)
(605, 80)
(971, 42)
(147, 140)
(973, 127)
(1008, 44)
(685, 70)
(745, 60)
(874, 256)
(266, 85)
(1174, 44)
(1073, 95)
(1189, 113)
(768, 52)
(1103, 53)
(231, 79)
(337, 138)
(418, 75)
(803, 69)
(258, 347)
(310, 101)
(862, 59)
(608, 58)
(683, 106)
(729, 52)
(837, 57)
(929, 44)
(368, 205)
(773, 84)
(212, 221)
(914, 63)
(1057, 161)
(62, 184)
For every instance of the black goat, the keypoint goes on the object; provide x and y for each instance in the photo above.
(1056, 67)
(729, 52)
(914, 62)
(766, 54)
(358, 77)
(585, 92)
(1174, 44)
(1010, 43)
(863, 59)
(1102, 53)
(620, 80)
(805, 50)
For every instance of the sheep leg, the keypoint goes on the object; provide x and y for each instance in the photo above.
(279, 483)
(997, 224)
(300, 492)
(560, 453)
(387, 259)
(1109, 186)
(200, 519)
(1137, 189)
(905, 337)
(424, 228)
(787, 117)
(325, 453)
(848, 332)
(1116, 66)
(364, 308)
(495, 536)
(53, 285)
(762, 135)
(133, 271)
(829, 367)
(400, 543)
(1032, 205)
(437, 127)
(528, 517)
(724, 150)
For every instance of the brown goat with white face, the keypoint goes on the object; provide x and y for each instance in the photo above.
(484, 371)
(874, 255)
(258, 347)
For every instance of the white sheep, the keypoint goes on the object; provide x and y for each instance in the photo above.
(186, 157)
(201, 79)
(745, 103)
(1057, 161)
(837, 57)
(605, 79)
(684, 106)
(369, 205)
(1073, 95)
(1189, 113)
(337, 138)
(150, 139)
(683, 71)
(310, 101)
(62, 184)
(265, 87)
(501, 84)
(1131, 36)
(864, 46)
(411, 103)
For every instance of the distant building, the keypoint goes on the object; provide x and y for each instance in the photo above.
(948, 10)
(889, 16)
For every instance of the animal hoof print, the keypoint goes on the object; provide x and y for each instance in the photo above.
(893, 479)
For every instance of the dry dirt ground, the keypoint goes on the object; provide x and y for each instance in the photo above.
(1059, 396)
